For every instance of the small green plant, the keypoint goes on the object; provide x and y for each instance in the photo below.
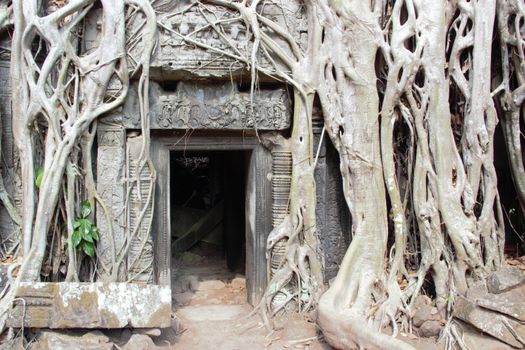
(86, 233)
(39, 176)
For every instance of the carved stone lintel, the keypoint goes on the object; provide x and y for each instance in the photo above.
(199, 106)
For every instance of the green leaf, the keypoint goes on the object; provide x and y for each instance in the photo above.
(94, 232)
(85, 209)
(39, 176)
(86, 236)
(88, 248)
(76, 224)
(84, 227)
(75, 238)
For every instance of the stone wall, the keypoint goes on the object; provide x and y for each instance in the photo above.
(9, 167)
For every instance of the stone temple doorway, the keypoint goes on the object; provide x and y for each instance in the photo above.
(213, 208)
(208, 226)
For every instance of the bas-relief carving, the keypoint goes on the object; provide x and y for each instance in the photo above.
(140, 254)
(199, 106)
(186, 24)
(111, 163)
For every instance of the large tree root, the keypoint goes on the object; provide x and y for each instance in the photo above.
(345, 329)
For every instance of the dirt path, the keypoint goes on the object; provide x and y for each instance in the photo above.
(210, 304)
(226, 327)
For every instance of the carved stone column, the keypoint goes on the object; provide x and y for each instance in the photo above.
(111, 186)
(281, 183)
(332, 216)
(141, 202)
(9, 233)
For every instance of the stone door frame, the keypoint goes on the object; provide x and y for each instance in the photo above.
(258, 202)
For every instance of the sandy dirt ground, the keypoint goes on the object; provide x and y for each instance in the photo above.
(212, 311)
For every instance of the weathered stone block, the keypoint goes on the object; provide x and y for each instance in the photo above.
(505, 279)
(91, 305)
(183, 298)
(207, 285)
(430, 329)
(139, 342)
(238, 283)
(511, 303)
(425, 313)
(492, 323)
(48, 340)
(3, 275)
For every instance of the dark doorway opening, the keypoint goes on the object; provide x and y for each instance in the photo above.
(514, 220)
(208, 191)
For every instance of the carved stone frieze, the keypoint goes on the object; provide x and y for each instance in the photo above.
(201, 39)
(196, 106)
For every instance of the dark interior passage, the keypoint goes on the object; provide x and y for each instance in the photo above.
(208, 207)
(510, 205)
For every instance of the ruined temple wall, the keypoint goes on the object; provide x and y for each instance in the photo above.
(197, 88)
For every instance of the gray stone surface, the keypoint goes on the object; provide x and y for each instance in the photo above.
(3, 275)
(505, 279)
(510, 303)
(476, 340)
(151, 332)
(207, 285)
(238, 282)
(139, 342)
(495, 324)
(49, 340)
(429, 329)
(423, 314)
(183, 298)
(91, 305)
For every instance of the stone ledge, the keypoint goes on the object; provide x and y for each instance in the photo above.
(91, 305)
